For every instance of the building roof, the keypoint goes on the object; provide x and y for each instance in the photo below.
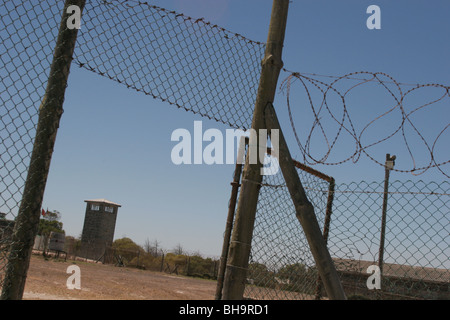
(395, 270)
(103, 201)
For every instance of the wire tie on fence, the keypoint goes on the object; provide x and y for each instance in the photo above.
(271, 60)
(252, 181)
(236, 267)
(239, 242)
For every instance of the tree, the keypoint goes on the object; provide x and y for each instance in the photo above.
(199, 266)
(54, 215)
(152, 247)
(127, 249)
(147, 246)
(294, 272)
(50, 223)
(299, 278)
(260, 275)
(72, 245)
(46, 227)
(126, 244)
(178, 250)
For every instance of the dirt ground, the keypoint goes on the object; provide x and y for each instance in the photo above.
(47, 279)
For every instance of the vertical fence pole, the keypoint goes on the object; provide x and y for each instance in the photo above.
(50, 111)
(240, 244)
(229, 225)
(162, 262)
(326, 228)
(389, 165)
(329, 209)
(138, 256)
(188, 265)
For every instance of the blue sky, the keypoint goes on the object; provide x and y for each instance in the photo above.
(115, 143)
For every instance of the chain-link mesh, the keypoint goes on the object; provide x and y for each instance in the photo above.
(416, 252)
(26, 48)
(26, 219)
(417, 243)
(281, 265)
(210, 71)
(28, 34)
(187, 62)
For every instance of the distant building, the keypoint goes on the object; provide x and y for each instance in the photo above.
(98, 229)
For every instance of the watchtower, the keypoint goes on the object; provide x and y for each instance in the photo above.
(99, 227)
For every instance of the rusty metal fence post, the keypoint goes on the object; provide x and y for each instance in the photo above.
(50, 112)
(389, 165)
(326, 227)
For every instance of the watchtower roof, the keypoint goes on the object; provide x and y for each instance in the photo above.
(103, 201)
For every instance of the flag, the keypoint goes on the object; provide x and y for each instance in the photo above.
(43, 212)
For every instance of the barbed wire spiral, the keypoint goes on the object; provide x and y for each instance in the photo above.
(340, 116)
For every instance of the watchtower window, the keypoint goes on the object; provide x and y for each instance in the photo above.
(109, 209)
(95, 207)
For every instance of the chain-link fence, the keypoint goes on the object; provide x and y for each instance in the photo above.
(27, 142)
(281, 265)
(186, 62)
(193, 65)
(189, 63)
(417, 239)
(180, 263)
(416, 251)
(26, 45)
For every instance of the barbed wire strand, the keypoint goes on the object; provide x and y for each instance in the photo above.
(323, 106)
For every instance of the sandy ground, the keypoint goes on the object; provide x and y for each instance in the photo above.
(47, 281)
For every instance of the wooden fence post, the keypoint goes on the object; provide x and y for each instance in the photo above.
(239, 249)
(229, 224)
(50, 111)
(305, 213)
